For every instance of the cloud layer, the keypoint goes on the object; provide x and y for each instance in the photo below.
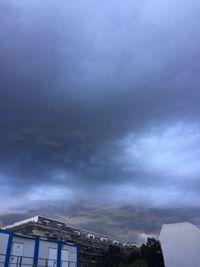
(99, 102)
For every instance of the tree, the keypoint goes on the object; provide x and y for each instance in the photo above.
(152, 252)
(134, 255)
(113, 257)
(148, 255)
(137, 263)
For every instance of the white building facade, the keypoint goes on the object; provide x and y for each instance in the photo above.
(180, 244)
(17, 250)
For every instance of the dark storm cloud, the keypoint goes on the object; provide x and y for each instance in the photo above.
(138, 222)
(99, 99)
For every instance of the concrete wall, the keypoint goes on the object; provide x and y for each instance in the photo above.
(180, 244)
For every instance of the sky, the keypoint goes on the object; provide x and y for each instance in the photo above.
(100, 114)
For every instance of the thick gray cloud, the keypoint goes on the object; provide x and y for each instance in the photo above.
(129, 223)
(99, 102)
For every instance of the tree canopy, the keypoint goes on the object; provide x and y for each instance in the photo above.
(148, 255)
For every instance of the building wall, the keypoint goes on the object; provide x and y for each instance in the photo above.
(44, 248)
(28, 249)
(180, 244)
(91, 244)
(3, 246)
(72, 252)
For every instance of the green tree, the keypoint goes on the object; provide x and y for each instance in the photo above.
(113, 257)
(134, 255)
(151, 251)
(139, 263)
(148, 255)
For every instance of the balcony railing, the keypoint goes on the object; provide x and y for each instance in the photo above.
(23, 261)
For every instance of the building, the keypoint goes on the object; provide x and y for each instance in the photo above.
(180, 244)
(18, 250)
(91, 244)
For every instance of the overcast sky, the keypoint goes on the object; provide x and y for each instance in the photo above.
(100, 112)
